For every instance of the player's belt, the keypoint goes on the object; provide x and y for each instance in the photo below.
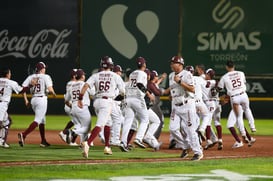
(210, 100)
(104, 97)
(182, 103)
(197, 100)
(3, 101)
(238, 94)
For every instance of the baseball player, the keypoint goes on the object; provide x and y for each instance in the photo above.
(183, 113)
(200, 69)
(8, 86)
(135, 105)
(234, 82)
(211, 99)
(116, 115)
(64, 134)
(154, 120)
(81, 116)
(134, 126)
(201, 108)
(202, 130)
(39, 93)
(154, 88)
(105, 82)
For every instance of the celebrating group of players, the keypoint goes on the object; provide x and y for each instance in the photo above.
(127, 109)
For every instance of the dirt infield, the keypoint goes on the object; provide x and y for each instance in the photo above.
(261, 148)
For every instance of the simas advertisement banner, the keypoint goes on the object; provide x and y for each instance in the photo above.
(215, 31)
(38, 30)
(33, 31)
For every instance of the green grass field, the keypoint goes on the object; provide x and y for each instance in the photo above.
(258, 168)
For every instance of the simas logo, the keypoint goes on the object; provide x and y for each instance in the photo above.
(46, 43)
(229, 17)
(119, 37)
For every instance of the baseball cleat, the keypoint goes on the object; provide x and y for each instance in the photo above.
(130, 147)
(62, 136)
(4, 145)
(44, 144)
(184, 154)
(172, 144)
(251, 142)
(197, 157)
(253, 130)
(245, 139)
(85, 149)
(123, 147)
(238, 144)
(73, 144)
(209, 144)
(220, 145)
(21, 139)
(108, 151)
(139, 143)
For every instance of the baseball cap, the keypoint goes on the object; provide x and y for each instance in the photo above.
(210, 72)
(177, 59)
(79, 73)
(153, 74)
(40, 66)
(117, 68)
(73, 72)
(140, 61)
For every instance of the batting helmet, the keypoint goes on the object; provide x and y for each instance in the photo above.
(106, 62)
(153, 74)
(210, 72)
(40, 66)
(177, 59)
(190, 69)
(117, 68)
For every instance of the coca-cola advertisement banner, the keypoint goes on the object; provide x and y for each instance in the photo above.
(33, 31)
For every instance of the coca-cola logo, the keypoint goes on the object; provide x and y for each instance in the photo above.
(48, 43)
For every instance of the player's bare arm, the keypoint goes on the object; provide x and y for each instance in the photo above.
(163, 76)
(51, 91)
(166, 91)
(27, 103)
